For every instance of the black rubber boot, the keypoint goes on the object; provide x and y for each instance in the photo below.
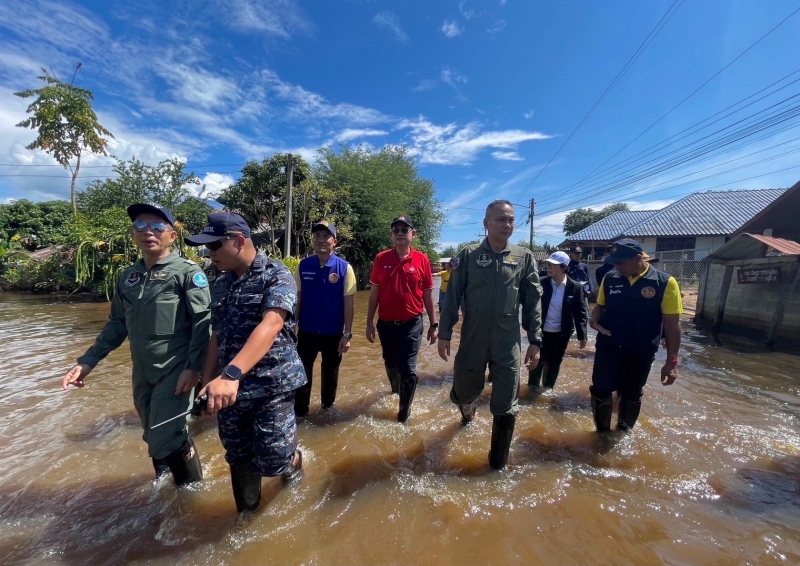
(246, 487)
(467, 412)
(295, 471)
(160, 466)
(628, 414)
(502, 432)
(535, 375)
(407, 389)
(330, 382)
(601, 409)
(185, 464)
(394, 378)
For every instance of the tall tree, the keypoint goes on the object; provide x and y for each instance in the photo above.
(165, 184)
(581, 218)
(62, 113)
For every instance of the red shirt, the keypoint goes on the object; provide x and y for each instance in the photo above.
(401, 283)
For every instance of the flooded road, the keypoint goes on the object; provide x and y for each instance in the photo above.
(710, 475)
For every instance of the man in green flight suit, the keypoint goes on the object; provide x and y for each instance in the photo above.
(494, 278)
(161, 304)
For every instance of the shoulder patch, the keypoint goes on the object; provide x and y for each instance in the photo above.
(200, 279)
(189, 261)
(455, 263)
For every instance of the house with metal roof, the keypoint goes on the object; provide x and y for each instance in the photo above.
(700, 221)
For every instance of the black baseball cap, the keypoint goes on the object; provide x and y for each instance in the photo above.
(622, 250)
(135, 210)
(575, 249)
(325, 225)
(220, 225)
(403, 220)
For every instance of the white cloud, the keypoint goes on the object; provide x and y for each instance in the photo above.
(351, 134)
(528, 115)
(214, 183)
(466, 197)
(467, 14)
(451, 145)
(424, 85)
(388, 20)
(452, 78)
(507, 156)
(274, 18)
(498, 26)
(450, 28)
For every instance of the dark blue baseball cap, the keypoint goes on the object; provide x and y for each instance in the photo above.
(135, 210)
(325, 225)
(622, 250)
(220, 225)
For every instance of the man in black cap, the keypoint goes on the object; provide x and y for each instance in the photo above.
(579, 271)
(252, 369)
(326, 285)
(601, 271)
(632, 303)
(161, 304)
(402, 286)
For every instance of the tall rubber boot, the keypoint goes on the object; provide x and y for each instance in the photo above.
(330, 382)
(550, 376)
(394, 378)
(468, 412)
(246, 487)
(160, 466)
(185, 464)
(535, 375)
(407, 389)
(502, 432)
(628, 414)
(601, 409)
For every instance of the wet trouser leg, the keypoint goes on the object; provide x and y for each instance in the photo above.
(331, 360)
(307, 348)
(400, 344)
(390, 348)
(605, 380)
(553, 347)
(634, 371)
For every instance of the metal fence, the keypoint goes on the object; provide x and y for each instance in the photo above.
(683, 265)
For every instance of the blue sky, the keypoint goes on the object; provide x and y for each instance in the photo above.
(483, 93)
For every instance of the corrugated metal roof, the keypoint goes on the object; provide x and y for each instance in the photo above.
(748, 246)
(611, 227)
(706, 214)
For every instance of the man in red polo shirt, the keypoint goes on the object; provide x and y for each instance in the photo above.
(402, 285)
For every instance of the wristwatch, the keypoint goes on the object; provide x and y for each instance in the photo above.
(435, 325)
(348, 335)
(232, 373)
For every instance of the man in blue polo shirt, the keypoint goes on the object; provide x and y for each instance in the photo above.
(325, 288)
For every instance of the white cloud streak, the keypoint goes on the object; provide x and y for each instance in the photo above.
(280, 19)
(507, 156)
(498, 26)
(389, 21)
(450, 29)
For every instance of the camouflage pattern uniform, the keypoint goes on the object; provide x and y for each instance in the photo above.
(260, 427)
(164, 313)
(211, 271)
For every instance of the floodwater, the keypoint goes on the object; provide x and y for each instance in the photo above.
(709, 476)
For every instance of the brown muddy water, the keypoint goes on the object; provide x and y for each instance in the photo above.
(710, 475)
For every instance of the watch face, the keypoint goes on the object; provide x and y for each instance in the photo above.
(232, 372)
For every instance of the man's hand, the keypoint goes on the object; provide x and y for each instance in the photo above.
(582, 344)
(668, 373)
(370, 332)
(221, 393)
(187, 380)
(344, 345)
(444, 349)
(532, 356)
(75, 376)
(433, 334)
(600, 329)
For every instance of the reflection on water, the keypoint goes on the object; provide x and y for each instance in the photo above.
(710, 475)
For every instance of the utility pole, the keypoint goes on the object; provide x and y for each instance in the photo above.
(532, 210)
(287, 233)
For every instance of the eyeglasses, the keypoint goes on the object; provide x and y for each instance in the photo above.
(214, 246)
(401, 230)
(141, 226)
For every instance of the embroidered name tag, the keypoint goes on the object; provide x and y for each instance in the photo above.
(162, 275)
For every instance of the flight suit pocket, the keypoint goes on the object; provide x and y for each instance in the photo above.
(166, 312)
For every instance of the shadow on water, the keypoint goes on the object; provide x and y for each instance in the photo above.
(586, 447)
(762, 486)
(114, 522)
(344, 413)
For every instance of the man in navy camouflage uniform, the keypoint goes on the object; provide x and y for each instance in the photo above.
(252, 369)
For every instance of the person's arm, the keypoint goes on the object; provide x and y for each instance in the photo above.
(372, 308)
(531, 300)
(198, 300)
(430, 308)
(211, 368)
(671, 309)
(452, 302)
(580, 314)
(299, 284)
(110, 338)
(599, 310)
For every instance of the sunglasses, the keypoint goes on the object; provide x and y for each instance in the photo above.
(141, 226)
(214, 246)
(401, 230)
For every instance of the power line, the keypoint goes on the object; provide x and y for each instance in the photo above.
(715, 75)
(650, 37)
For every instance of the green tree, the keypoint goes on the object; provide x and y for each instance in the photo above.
(383, 184)
(449, 251)
(311, 202)
(581, 218)
(35, 225)
(164, 184)
(62, 113)
(259, 195)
